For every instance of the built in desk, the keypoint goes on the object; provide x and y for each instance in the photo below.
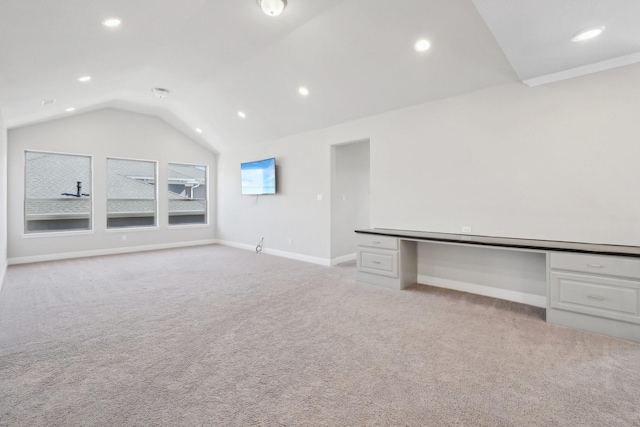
(593, 287)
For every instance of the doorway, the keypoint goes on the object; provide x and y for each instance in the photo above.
(350, 197)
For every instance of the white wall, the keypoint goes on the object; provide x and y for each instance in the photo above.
(3, 199)
(455, 265)
(350, 197)
(294, 213)
(553, 162)
(101, 134)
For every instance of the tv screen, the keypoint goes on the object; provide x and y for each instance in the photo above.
(259, 177)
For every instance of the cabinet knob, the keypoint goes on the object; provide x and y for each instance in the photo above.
(376, 262)
(598, 297)
(594, 265)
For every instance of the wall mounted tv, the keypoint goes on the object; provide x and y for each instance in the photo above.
(259, 177)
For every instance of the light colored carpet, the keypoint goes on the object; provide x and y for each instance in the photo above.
(216, 336)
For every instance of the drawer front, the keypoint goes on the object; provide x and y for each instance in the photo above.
(378, 262)
(375, 241)
(596, 264)
(601, 296)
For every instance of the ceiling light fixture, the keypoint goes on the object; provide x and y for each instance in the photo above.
(198, 130)
(70, 109)
(422, 45)
(272, 7)
(242, 114)
(587, 34)
(48, 101)
(111, 22)
(303, 91)
(160, 92)
(84, 79)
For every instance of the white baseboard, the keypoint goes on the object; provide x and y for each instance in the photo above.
(488, 291)
(3, 272)
(283, 254)
(111, 251)
(344, 258)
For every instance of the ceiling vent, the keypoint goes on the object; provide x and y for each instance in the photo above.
(48, 101)
(160, 92)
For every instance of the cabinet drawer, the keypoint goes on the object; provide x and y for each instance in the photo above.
(375, 241)
(601, 296)
(596, 264)
(378, 262)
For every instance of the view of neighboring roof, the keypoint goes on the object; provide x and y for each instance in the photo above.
(130, 179)
(131, 186)
(48, 176)
(178, 172)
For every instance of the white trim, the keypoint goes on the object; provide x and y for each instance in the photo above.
(35, 234)
(183, 226)
(291, 255)
(344, 258)
(111, 251)
(64, 153)
(24, 192)
(207, 183)
(488, 291)
(3, 273)
(132, 229)
(157, 178)
(584, 70)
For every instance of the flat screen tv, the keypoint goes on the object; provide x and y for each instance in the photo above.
(259, 177)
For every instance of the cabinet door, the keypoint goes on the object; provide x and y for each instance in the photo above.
(602, 296)
(378, 262)
(376, 241)
(596, 264)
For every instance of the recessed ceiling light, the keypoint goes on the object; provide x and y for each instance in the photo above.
(198, 130)
(242, 114)
(422, 45)
(111, 22)
(587, 34)
(84, 79)
(70, 109)
(303, 91)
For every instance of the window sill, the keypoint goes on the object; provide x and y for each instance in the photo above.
(181, 226)
(57, 234)
(131, 229)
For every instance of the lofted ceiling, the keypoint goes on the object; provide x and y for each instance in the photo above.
(356, 57)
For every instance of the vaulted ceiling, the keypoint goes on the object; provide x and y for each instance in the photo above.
(356, 57)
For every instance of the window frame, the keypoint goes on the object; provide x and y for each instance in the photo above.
(115, 229)
(207, 197)
(60, 232)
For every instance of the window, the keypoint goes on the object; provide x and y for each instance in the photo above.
(187, 194)
(131, 193)
(57, 192)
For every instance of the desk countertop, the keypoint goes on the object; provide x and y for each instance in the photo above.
(508, 242)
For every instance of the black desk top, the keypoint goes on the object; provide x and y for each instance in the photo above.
(508, 242)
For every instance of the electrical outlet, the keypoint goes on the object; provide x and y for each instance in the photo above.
(319, 197)
(290, 240)
(466, 229)
(344, 198)
(124, 237)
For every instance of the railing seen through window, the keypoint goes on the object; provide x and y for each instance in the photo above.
(187, 194)
(131, 193)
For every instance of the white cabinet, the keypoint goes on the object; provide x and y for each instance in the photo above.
(596, 293)
(594, 287)
(386, 261)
